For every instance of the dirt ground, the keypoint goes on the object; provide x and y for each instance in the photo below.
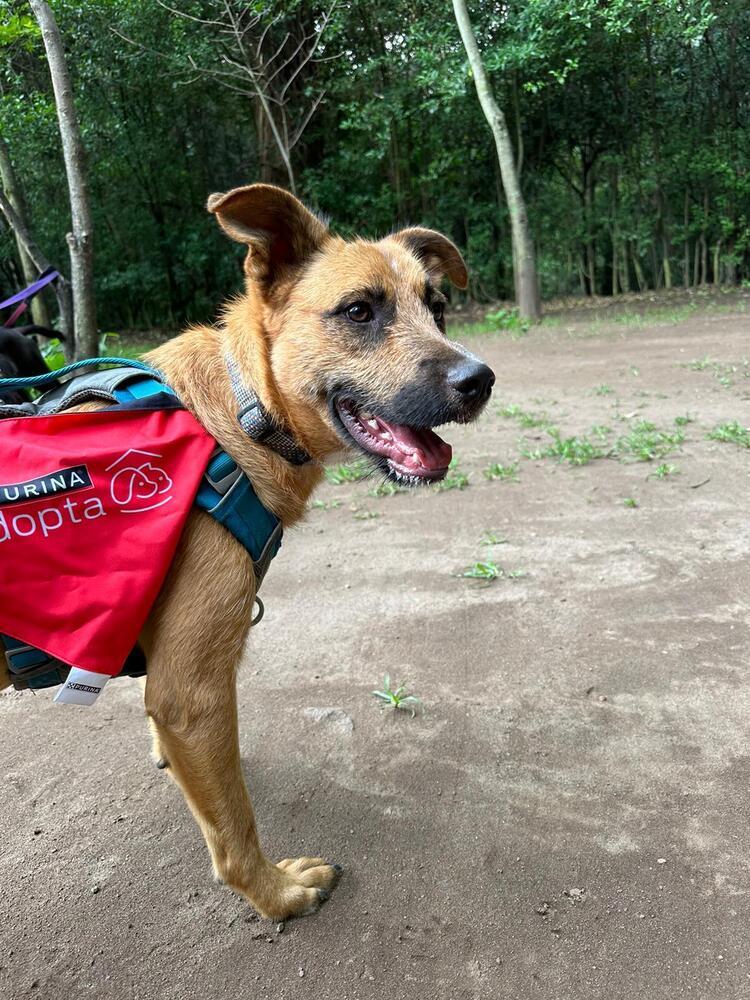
(570, 816)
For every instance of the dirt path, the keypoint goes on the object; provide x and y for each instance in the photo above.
(570, 817)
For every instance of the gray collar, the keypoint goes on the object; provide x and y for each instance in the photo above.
(258, 424)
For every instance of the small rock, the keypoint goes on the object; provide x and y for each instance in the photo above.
(661, 861)
(280, 928)
(95, 889)
(575, 895)
(336, 718)
(301, 973)
(543, 909)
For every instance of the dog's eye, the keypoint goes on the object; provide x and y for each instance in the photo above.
(438, 311)
(359, 312)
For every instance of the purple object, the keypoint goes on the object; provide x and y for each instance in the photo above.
(29, 292)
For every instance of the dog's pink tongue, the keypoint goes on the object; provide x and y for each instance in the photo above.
(421, 447)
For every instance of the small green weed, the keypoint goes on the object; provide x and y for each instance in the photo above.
(630, 502)
(351, 473)
(365, 515)
(645, 442)
(397, 699)
(386, 488)
(683, 421)
(664, 470)
(483, 571)
(604, 390)
(454, 480)
(574, 450)
(325, 504)
(499, 471)
(525, 418)
(731, 432)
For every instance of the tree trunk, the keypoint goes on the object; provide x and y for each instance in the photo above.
(14, 194)
(717, 263)
(80, 240)
(61, 287)
(642, 286)
(526, 281)
(686, 246)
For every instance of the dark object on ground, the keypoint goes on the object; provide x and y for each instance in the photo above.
(20, 356)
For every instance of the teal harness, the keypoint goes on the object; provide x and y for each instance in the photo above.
(225, 492)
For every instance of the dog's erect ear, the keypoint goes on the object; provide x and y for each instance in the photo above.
(276, 227)
(439, 256)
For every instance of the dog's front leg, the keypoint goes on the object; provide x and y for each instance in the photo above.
(194, 644)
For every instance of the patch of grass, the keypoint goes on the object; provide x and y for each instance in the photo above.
(454, 480)
(351, 473)
(731, 432)
(325, 504)
(499, 321)
(664, 470)
(386, 488)
(683, 421)
(645, 442)
(700, 364)
(525, 418)
(721, 371)
(490, 571)
(604, 390)
(574, 450)
(397, 699)
(497, 470)
(483, 571)
(630, 502)
(365, 515)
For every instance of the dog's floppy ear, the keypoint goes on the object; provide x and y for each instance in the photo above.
(276, 227)
(440, 257)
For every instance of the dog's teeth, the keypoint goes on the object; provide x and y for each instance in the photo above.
(387, 436)
(365, 415)
(372, 422)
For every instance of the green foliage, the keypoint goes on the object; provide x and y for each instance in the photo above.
(508, 473)
(631, 120)
(483, 571)
(645, 442)
(573, 450)
(355, 471)
(397, 699)
(731, 432)
(454, 480)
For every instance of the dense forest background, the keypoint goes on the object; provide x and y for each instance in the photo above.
(629, 121)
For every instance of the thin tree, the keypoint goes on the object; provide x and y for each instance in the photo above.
(249, 59)
(14, 193)
(81, 238)
(524, 262)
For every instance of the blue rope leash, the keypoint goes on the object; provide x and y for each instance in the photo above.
(34, 381)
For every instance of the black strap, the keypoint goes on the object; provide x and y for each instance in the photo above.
(258, 424)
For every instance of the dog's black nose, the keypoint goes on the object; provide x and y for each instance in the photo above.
(472, 379)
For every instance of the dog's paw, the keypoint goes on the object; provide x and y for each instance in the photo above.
(305, 884)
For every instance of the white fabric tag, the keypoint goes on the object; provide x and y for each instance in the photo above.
(82, 687)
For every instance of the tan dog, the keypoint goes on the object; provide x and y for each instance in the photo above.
(343, 342)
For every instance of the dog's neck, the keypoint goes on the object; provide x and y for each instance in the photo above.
(195, 366)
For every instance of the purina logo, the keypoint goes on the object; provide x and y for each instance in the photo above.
(136, 484)
(76, 477)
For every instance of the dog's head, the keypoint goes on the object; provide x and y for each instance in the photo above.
(356, 332)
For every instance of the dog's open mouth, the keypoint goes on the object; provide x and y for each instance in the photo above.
(409, 452)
